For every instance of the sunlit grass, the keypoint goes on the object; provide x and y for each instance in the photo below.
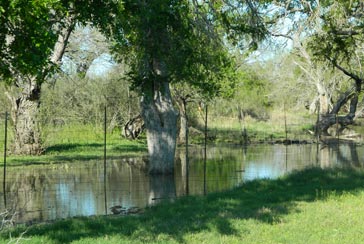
(78, 143)
(313, 206)
(230, 129)
(85, 141)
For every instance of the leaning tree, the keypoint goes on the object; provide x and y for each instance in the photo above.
(33, 39)
(340, 44)
(326, 33)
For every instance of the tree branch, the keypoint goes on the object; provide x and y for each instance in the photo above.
(346, 72)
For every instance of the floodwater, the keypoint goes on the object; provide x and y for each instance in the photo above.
(49, 192)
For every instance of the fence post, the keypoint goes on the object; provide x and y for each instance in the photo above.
(205, 154)
(285, 123)
(317, 132)
(5, 149)
(105, 159)
(317, 129)
(337, 128)
(186, 145)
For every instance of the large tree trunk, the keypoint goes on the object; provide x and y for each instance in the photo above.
(24, 111)
(352, 95)
(332, 118)
(25, 96)
(160, 119)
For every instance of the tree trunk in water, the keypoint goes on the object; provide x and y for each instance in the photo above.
(25, 107)
(160, 119)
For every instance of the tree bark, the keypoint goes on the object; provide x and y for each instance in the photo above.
(25, 107)
(160, 119)
(352, 95)
(25, 97)
(330, 119)
(134, 127)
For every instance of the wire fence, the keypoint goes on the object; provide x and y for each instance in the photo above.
(87, 169)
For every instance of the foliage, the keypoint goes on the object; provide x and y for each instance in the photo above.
(26, 39)
(4, 101)
(163, 30)
(251, 96)
(186, 42)
(342, 30)
(85, 45)
(340, 41)
(29, 31)
(73, 99)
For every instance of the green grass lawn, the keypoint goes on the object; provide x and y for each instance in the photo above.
(313, 206)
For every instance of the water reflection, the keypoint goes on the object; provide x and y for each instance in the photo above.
(41, 193)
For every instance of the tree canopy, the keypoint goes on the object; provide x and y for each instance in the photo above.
(29, 31)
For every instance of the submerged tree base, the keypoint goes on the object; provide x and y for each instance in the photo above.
(160, 119)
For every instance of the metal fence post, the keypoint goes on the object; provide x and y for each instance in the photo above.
(105, 117)
(205, 155)
(186, 145)
(5, 149)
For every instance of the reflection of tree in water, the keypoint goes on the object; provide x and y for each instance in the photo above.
(221, 171)
(346, 154)
(129, 185)
(25, 193)
(181, 175)
(162, 187)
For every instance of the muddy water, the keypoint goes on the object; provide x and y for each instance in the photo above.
(42, 193)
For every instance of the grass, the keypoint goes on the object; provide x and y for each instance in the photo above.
(79, 143)
(229, 130)
(312, 206)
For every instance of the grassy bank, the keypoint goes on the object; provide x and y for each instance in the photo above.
(78, 143)
(233, 130)
(313, 206)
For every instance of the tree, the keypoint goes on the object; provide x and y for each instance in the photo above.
(198, 84)
(86, 44)
(327, 34)
(340, 44)
(168, 41)
(33, 39)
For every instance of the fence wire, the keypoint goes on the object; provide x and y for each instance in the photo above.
(70, 178)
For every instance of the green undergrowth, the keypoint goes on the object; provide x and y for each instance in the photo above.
(312, 206)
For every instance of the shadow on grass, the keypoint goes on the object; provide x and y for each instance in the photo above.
(78, 147)
(262, 200)
(61, 153)
(58, 148)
